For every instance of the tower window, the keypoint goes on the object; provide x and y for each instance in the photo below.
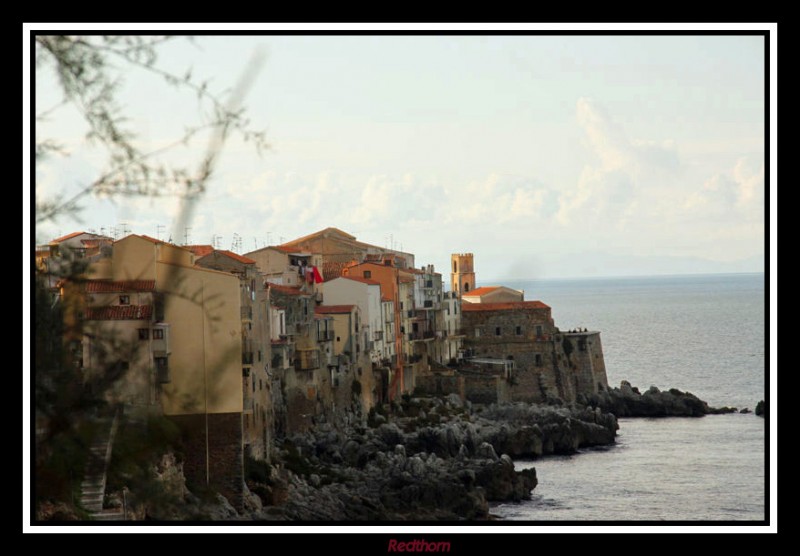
(466, 286)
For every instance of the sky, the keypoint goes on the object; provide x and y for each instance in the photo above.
(546, 156)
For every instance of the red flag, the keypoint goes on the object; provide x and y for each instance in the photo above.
(317, 275)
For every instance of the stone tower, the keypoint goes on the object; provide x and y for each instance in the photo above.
(462, 275)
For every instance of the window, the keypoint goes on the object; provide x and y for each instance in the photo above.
(538, 360)
(477, 332)
(518, 331)
(259, 355)
(497, 331)
(124, 300)
(401, 305)
(158, 333)
(161, 363)
(538, 329)
(144, 333)
(367, 274)
(466, 286)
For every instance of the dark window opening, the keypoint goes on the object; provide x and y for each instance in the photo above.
(158, 333)
(497, 331)
(519, 331)
(367, 274)
(144, 334)
(538, 329)
(538, 360)
(124, 300)
(466, 286)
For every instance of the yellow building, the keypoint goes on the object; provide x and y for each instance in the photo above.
(195, 371)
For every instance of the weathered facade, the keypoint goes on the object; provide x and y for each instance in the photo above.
(257, 410)
(545, 365)
(184, 348)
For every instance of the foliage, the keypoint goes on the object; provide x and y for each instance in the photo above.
(90, 70)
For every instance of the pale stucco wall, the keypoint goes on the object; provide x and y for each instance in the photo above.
(203, 310)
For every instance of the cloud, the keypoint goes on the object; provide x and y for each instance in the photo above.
(610, 190)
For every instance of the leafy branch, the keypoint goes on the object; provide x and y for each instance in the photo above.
(87, 71)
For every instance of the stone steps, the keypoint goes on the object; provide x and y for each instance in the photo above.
(93, 485)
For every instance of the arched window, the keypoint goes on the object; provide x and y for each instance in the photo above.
(466, 286)
(455, 266)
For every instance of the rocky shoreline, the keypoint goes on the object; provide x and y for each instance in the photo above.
(426, 459)
(423, 459)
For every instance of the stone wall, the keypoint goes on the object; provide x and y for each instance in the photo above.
(217, 457)
(486, 389)
(440, 385)
(545, 365)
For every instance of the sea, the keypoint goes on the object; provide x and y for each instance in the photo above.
(704, 334)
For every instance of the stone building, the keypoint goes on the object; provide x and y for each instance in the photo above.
(462, 277)
(546, 362)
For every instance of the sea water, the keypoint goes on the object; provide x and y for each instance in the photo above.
(702, 333)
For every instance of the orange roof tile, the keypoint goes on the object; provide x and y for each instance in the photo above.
(66, 237)
(480, 291)
(200, 250)
(281, 248)
(333, 309)
(336, 231)
(119, 312)
(236, 256)
(109, 286)
(468, 307)
(286, 290)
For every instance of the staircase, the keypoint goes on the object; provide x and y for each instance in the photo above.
(93, 487)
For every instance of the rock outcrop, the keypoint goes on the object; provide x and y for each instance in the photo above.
(438, 461)
(627, 401)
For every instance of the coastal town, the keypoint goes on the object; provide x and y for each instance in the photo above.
(243, 350)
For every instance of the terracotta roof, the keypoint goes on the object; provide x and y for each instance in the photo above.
(329, 230)
(95, 241)
(119, 312)
(468, 307)
(236, 256)
(287, 290)
(200, 250)
(333, 309)
(480, 291)
(386, 298)
(68, 236)
(109, 286)
(362, 280)
(281, 248)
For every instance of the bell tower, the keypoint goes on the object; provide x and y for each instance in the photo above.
(462, 275)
